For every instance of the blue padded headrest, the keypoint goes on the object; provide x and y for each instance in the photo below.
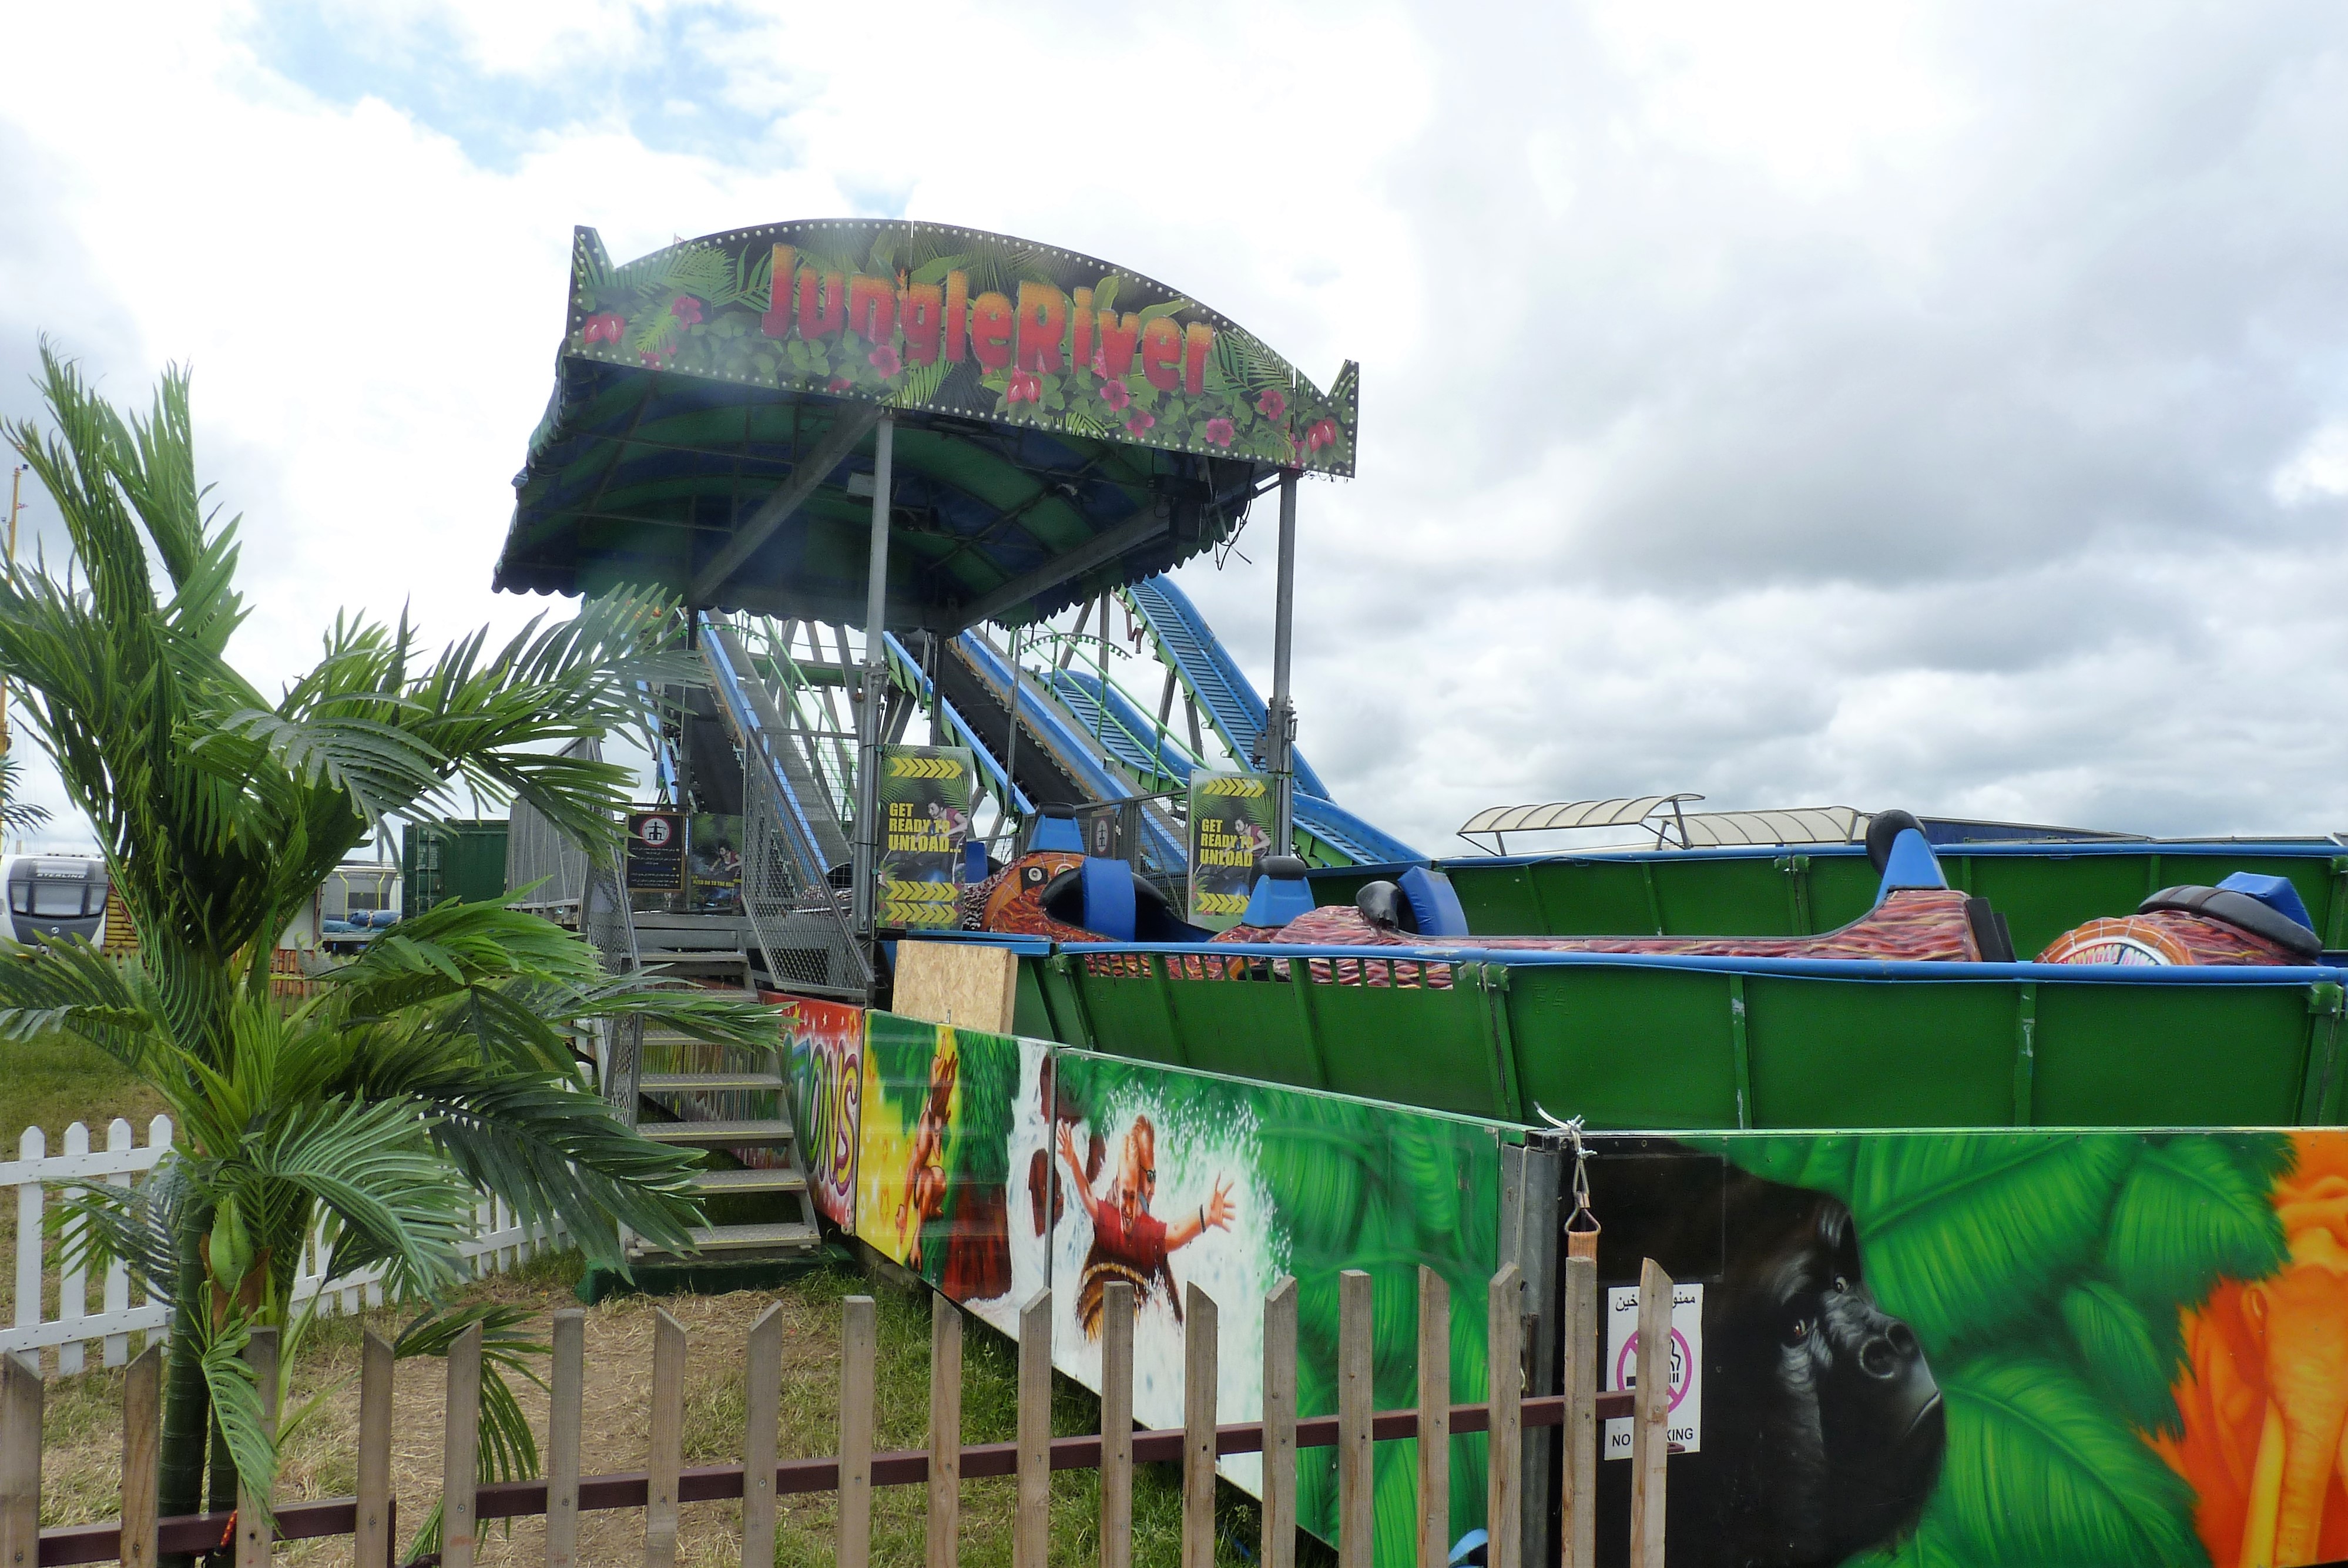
(1057, 833)
(1912, 864)
(1433, 904)
(1281, 895)
(974, 862)
(2275, 892)
(1108, 899)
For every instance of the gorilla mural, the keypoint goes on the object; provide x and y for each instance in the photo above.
(1823, 1427)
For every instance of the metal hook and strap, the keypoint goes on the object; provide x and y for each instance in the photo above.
(1582, 1227)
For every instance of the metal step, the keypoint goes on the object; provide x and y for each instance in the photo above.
(717, 1134)
(680, 1082)
(744, 1238)
(732, 958)
(790, 1180)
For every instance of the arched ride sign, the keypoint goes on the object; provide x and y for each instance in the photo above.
(906, 426)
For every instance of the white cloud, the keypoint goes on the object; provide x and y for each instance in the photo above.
(2318, 471)
(1834, 403)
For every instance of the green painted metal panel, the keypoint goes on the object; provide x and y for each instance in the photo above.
(1247, 1028)
(1843, 1054)
(1426, 1048)
(2041, 895)
(1646, 1049)
(1659, 1048)
(2171, 1056)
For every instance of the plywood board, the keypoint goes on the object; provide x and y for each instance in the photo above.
(965, 984)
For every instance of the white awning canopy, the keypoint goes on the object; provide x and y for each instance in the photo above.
(1667, 817)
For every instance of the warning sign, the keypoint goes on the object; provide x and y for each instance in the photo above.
(1622, 1369)
(655, 857)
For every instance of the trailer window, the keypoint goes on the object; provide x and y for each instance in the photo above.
(55, 898)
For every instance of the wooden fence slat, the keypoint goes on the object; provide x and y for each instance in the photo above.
(371, 1536)
(1280, 1425)
(1504, 1469)
(563, 1420)
(1578, 1531)
(1650, 1435)
(1201, 1374)
(860, 1344)
(1031, 1529)
(941, 1543)
(666, 1460)
(255, 1531)
(762, 1401)
(1355, 1402)
(20, 1453)
(460, 1452)
(1434, 1420)
(1117, 1425)
(142, 1453)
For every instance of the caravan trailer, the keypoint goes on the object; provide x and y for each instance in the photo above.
(52, 897)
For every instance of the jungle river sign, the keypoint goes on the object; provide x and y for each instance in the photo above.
(923, 316)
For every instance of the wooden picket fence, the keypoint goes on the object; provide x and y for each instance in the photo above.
(662, 1489)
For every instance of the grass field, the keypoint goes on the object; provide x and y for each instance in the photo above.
(48, 1084)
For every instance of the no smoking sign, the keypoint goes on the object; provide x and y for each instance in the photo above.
(1622, 1371)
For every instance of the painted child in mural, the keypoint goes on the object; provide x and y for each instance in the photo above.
(925, 1170)
(1129, 1243)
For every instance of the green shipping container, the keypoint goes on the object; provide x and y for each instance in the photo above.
(464, 860)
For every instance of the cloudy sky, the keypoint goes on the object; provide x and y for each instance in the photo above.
(1873, 404)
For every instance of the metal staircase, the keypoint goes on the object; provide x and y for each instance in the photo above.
(731, 1102)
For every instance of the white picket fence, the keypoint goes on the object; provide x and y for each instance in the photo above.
(498, 1244)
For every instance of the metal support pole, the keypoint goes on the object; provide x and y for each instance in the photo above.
(1279, 739)
(867, 858)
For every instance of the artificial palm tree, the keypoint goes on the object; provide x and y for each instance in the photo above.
(439, 1063)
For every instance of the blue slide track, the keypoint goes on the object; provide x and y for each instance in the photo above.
(1224, 694)
(1073, 750)
(1230, 702)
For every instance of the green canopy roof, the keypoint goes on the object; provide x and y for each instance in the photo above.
(1063, 427)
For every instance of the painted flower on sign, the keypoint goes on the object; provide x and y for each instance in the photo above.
(885, 360)
(839, 383)
(1141, 421)
(1322, 433)
(605, 327)
(686, 309)
(1272, 404)
(1025, 387)
(1117, 396)
(1220, 432)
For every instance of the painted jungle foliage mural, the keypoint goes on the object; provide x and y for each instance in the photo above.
(921, 315)
(1974, 1349)
(2003, 1348)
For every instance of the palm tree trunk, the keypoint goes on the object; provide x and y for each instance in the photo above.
(187, 1403)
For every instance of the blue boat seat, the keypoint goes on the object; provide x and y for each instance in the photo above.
(1433, 906)
(1280, 894)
